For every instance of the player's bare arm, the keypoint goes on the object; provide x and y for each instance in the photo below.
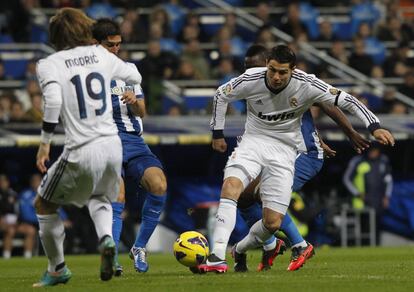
(42, 157)
(358, 142)
(136, 105)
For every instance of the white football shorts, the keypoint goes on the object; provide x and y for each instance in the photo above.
(78, 174)
(271, 159)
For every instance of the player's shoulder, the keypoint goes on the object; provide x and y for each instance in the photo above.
(303, 76)
(249, 78)
(309, 80)
(254, 71)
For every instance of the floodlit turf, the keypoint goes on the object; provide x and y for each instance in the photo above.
(332, 269)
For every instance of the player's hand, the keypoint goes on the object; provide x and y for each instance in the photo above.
(327, 151)
(129, 97)
(219, 145)
(384, 137)
(42, 157)
(358, 142)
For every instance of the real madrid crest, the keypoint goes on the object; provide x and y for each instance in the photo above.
(227, 89)
(116, 90)
(293, 102)
(333, 91)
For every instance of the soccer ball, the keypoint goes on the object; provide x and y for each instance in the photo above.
(191, 248)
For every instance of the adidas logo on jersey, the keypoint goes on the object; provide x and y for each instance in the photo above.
(283, 116)
(260, 102)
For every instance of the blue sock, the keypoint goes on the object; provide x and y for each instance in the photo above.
(253, 214)
(289, 228)
(117, 209)
(151, 212)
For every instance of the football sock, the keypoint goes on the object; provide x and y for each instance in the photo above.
(257, 235)
(117, 209)
(300, 244)
(151, 212)
(52, 235)
(100, 210)
(225, 223)
(290, 230)
(251, 214)
(270, 243)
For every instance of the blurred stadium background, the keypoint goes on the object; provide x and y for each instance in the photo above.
(184, 50)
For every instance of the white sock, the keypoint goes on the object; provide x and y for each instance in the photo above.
(52, 235)
(225, 222)
(257, 235)
(27, 254)
(300, 244)
(270, 246)
(6, 254)
(100, 210)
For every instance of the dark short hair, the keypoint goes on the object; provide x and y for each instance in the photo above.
(283, 54)
(256, 56)
(103, 28)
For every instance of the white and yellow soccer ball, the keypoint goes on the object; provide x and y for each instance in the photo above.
(191, 248)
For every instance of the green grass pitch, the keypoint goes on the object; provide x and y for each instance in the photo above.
(332, 269)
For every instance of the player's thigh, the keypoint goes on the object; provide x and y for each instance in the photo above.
(107, 174)
(277, 178)
(306, 168)
(245, 162)
(86, 171)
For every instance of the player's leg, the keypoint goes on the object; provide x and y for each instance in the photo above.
(52, 235)
(275, 192)
(250, 208)
(155, 183)
(55, 189)
(117, 209)
(106, 174)
(225, 220)
(306, 167)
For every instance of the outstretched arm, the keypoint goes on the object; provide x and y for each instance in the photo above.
(358, 142)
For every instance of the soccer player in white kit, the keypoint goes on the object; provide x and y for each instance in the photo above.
(276, 98)
(75, 82)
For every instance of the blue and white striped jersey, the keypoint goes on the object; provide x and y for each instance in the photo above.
(310, 143)
(124, 119)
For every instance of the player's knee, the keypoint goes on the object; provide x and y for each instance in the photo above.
(232, 188)
(158, 185)
(272, 221)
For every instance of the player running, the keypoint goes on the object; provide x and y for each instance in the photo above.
(277, 96)
(308, 163)
(139, 163)
(75, 82)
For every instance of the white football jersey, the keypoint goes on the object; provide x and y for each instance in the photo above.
(278, 115)
(76, 87)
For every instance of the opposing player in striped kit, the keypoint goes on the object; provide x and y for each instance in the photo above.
(277, 96)
(139, 163)
(75, 82)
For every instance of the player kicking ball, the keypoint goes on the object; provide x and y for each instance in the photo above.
(277, 96)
